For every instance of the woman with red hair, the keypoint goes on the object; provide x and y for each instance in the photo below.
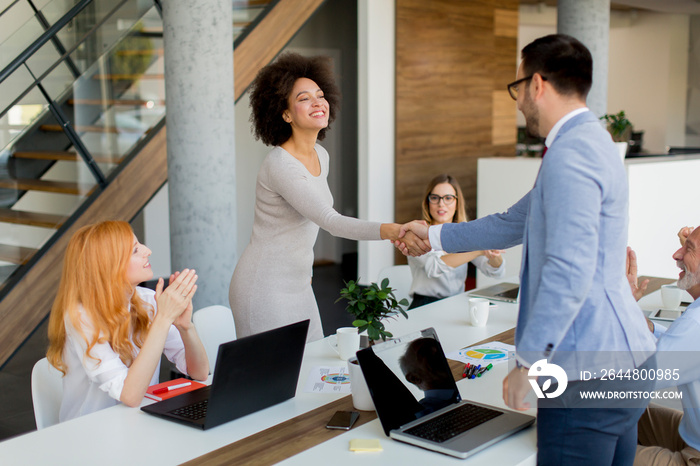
(106, 334)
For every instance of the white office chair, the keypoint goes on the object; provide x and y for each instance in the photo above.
(47, 391)
(214, 325)
(400, 279)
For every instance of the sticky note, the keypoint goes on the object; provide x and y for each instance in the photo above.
(365, 444)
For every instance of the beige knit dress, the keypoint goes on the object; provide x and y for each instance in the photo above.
(271, 285)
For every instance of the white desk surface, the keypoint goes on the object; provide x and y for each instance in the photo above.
(122, 435)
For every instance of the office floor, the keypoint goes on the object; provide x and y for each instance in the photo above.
(16, 413)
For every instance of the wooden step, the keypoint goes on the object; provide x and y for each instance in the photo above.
(35, 219)
(15, 254)
(247, 4)
(64, 187)
(80, 129)
(66, 156)
(128, 77)
(116, 102)
(128, 53)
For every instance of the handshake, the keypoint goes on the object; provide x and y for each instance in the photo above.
(411, 238)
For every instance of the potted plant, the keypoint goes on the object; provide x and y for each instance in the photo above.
(620, 128)
(370, 304)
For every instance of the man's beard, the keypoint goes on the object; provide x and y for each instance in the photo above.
(689, 280)
(532, 116)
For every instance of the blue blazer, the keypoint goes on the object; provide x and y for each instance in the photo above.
(576, 307)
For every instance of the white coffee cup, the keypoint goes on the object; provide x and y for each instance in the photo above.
(479, 311)
(670, 296)
(361, 398)
(348, 340)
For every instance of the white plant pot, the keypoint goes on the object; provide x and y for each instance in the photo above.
(622, 148)
(361, 399)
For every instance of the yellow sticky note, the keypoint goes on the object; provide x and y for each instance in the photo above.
(365, 444)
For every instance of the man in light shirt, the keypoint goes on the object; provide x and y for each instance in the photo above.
(668, 436)
(576, 307)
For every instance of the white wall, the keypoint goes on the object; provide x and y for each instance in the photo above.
(649, 76)
(647, 69)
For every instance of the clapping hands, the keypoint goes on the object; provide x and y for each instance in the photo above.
(175, 301)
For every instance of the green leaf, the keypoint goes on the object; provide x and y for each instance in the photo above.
(385, 283)
(359, 323)
(361, 306)
(372, 333)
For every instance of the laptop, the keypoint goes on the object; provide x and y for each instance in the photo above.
(251, 373)
(507, 292)
(417, 400)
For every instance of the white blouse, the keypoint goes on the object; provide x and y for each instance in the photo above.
(432, 277)
(93, 384)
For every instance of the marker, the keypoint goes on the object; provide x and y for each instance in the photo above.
(485, 369)
(475, 371)
(171, 388)
(466, 369)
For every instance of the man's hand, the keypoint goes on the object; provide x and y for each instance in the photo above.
(683, 234)
(631, 270)
(515, 387)
(413, 239)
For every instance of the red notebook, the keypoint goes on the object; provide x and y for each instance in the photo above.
(157, 392)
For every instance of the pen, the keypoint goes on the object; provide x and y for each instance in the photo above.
(171, 388)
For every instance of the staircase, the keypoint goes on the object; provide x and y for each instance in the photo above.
(82, 123)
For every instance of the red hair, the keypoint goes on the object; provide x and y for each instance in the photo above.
(94, 279)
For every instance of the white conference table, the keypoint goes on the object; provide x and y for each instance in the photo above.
(122, 435)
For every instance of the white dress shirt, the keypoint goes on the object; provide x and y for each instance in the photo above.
(432, 277)
(94, 383)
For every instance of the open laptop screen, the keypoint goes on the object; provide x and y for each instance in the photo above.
(408, 378)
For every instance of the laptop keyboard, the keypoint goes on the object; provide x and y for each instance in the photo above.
(454, 422)
(194, 411)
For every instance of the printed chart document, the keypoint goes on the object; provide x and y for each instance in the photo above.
(488, 353)
(328, 380)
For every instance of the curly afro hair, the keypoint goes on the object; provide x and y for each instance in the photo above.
(272, 87)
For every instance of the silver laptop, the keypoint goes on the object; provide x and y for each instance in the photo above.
(507, 292)
(417, 400)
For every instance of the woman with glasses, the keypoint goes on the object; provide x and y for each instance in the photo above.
(437, 275)
(293, 101)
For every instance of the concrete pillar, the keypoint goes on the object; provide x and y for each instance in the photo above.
(589, 22)
(198, 38)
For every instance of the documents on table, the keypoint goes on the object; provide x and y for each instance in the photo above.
(325, 379)
(488, 353)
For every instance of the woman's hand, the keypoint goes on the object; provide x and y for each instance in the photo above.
(494, 257)
(184, 320)
(175, 302)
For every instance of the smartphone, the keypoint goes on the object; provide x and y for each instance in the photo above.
(667, 315)
(343, 420)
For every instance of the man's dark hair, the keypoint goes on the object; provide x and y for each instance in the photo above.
(564, 61)
(274, 83)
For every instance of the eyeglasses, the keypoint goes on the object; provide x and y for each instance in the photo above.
(447, 199)
(513, 87)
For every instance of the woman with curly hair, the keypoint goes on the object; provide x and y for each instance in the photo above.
(438, 275)
(293, 101)
(106, 334)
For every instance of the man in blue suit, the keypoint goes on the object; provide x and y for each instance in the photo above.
(576, 307)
